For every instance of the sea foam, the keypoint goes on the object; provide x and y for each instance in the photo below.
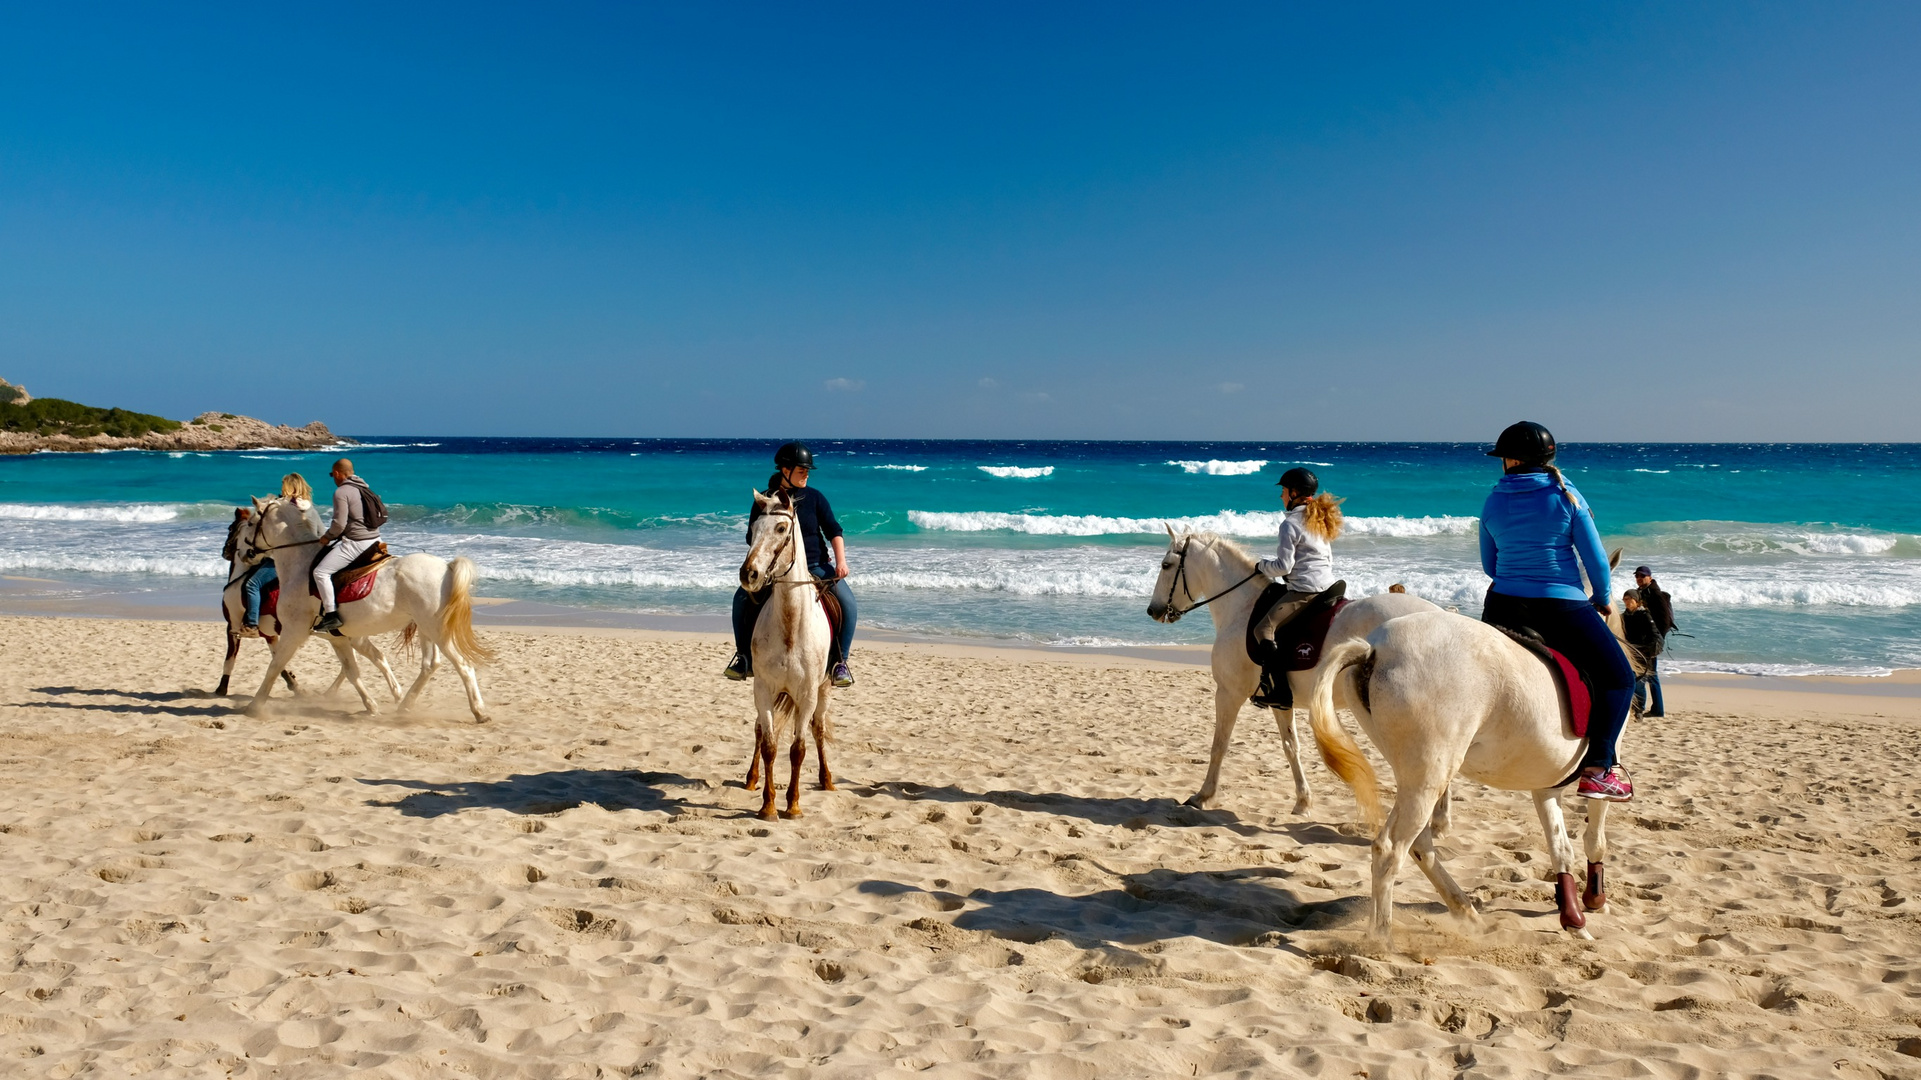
(1217, 467)
(147, 513)
(1017, 472)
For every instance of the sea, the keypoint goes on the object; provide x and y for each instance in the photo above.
(1782, 559)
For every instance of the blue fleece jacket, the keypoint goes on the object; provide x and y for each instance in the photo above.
(1529, 536)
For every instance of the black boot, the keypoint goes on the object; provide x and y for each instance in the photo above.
(329, 623)
(739, 669)
(1275, 693)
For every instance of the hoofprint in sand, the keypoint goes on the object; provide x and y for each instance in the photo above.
(1007, 883)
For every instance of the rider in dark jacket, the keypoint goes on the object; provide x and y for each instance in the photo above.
(1533, 526)
(818, 530)
(1660, 607)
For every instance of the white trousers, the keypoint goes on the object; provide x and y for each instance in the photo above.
(336, 558)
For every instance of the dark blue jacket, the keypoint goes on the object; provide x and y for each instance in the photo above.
(818, 525)
(1530, 537)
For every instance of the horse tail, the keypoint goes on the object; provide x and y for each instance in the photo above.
(784, 715)
(1338, 749)
(457, 615)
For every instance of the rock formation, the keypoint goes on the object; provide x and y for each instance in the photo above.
(11, 394)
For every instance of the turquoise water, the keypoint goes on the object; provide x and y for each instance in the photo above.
(1781, 558)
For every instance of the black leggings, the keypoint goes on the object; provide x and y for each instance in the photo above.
(1575, 630)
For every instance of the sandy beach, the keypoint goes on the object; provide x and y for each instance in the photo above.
(1006, 884)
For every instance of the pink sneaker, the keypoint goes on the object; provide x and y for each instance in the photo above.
(1612, 785)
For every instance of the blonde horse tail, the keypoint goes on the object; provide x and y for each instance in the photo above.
(457, 617)
(1338, 749)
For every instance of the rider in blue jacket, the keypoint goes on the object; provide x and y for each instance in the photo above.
(1537, 534)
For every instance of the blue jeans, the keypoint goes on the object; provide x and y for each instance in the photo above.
(1649, 685)
(1575, 630)
(261, 577)
(747, 612)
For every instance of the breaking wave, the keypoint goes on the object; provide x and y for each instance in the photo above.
(1226, 523)
(1217, 467)
(145, 513)
(1017, 472)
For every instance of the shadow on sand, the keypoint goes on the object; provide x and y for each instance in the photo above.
(1250, 906)
(1132, 813)
(160, 702)
(541, 793)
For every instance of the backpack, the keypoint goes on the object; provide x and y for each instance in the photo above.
(371, 506)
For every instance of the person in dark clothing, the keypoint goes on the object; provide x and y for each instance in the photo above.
(1638, 626)
(1537, 536)
(819, 530)
(1660, 608)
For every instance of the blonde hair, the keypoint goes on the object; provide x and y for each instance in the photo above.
(295, 486)
(1561, 482)
(1323, 516)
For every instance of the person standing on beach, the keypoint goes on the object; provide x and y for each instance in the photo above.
(793, 464)
(355, 528)
(1660, 608)
(1537, 534)
(1637, 625)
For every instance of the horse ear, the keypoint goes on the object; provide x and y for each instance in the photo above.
(1614, 559)
(1169, 526)
(258, 505)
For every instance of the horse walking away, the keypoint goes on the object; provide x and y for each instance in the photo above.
(1443, 695)
(430, 593)
(1205, 570)
(791, 641)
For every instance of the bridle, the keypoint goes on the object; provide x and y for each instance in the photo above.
(254, 534)
(1173, 614)
(775, 577)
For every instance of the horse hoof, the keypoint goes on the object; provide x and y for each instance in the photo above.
(1302, 806)
(483, 718)
(1580, 933)
(1199, 802)
(793, 813)
(828, 785)
(767, 813)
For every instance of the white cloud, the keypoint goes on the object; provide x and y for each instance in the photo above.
(847, 386)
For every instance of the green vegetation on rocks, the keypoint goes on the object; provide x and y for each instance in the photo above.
(53, 416)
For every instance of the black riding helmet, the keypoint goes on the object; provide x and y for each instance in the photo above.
(793, 455)
(1526, 442)
(1301, 480)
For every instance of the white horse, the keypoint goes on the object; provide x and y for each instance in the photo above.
(435, 595)
(790, 645)
(1201, 569)
(1441, 695)
(233, 607)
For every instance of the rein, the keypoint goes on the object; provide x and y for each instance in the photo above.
(793, 547)
(1180, 578)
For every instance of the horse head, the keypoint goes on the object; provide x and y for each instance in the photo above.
(771, 540)
(1160, 602)
(278, 522)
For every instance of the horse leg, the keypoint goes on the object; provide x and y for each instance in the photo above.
(820, 742)
(286, 674)
(764, 748)
(233, 657)
(283, 649)
(1595, 839)
(1437, 825)
(372, 652)
(1547, 804)
(753, 766)
(796, 756)
(429, 663)
(350, 671)
(470, 679)
(1227, 709)
(1413, 803)
(1291, 742)
(1429, 860)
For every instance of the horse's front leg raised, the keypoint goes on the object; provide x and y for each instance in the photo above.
(372, 652)
(284, 649)
(1227, 709)
(1595, 839)
(1547, 804)
(350, 670)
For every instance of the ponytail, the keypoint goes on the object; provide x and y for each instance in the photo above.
(1323, 516)
(1561, 482)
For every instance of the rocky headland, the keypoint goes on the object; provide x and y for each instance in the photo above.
(29, 425)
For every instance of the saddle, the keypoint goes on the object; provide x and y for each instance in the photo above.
(351, 582)
(829, 603)
(1297, 644)
(1567, 677)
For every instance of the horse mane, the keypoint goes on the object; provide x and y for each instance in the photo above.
(1219, 542)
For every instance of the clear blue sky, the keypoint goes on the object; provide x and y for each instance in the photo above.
(1653, 221)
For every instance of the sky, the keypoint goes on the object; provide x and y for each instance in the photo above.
(1661, 222)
